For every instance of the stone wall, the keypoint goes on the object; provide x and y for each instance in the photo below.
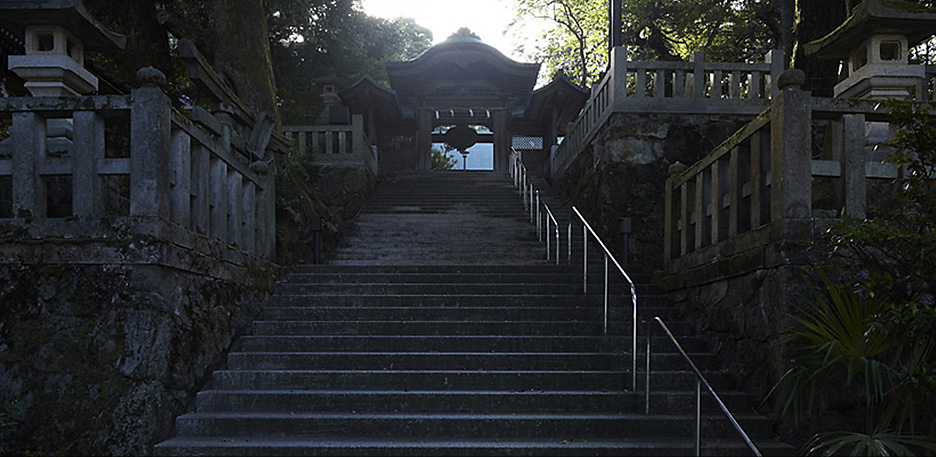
(623, 170)
(100, 359)
(305, 191)
(622, 174)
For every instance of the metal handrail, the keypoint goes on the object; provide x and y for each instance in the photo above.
(633, 288)
(700, 379)
(532, 201)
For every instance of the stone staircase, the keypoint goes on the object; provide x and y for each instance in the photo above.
(488, 352)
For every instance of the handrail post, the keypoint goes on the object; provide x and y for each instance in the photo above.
(606, 295)
(539, 221)
(569, 240)
(546, 232)
(558, 246)
(647, 383)
(698, 417)
(584, 261)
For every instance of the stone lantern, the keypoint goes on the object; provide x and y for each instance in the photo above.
(56, 34)
(873, 46)
(333, 113)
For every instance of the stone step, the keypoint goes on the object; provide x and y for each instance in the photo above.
(344, 360)
(521, 277)
(373, 401)
(302, 446)
(545, 269)
(464, 343)
(451, 313)
(393, 288)
(616, 301)
(458, 425)
(452, 328)
(501, 380)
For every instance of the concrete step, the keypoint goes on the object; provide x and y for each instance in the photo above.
(450, 343)
(395, 288)
(451, 313)
(458, 425)
(520, 277)
(344, 360)
(373, 401)
(500, 380)
(302, 446)
(616, 302)
(593, 326)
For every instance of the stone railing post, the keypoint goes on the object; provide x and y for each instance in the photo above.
(150, 144)
(853, 165)
(618, 78)
(698, 74)
(775, 57)
(791, 156)
(29, 138)
(88, 150)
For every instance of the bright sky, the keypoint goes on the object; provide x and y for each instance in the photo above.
(486, 18)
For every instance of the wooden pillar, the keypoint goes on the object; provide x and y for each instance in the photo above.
(502, 141)
(549, 139)
(423, 140)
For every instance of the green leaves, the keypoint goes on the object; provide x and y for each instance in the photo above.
(870, 444)
(864, 346)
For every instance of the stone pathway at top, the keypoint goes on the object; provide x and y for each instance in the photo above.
(439, 218)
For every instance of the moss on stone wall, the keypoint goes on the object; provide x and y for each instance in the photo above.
(623, 171)
(306, 190)
(102, 358)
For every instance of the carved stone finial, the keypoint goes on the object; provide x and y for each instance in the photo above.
(793, 78)
(464, 33)
(677, 168)
(151, 77)
(260, 167)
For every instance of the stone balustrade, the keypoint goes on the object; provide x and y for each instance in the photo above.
(694, 87)
(765, 185)
(132, 167)
(335, 144)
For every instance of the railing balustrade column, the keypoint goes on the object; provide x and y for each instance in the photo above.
(698, 74)
(618, 78)
(716, 201)
(791, 157)
(150, 143)
(757, 180)
(234, 188)
(29, 146)
(734, 192)
(87, 151)
(181, 177)
(200, 209)
(854, 182)
(249, 219)
(218, 196)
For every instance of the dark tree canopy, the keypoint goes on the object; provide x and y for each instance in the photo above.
(270, 52)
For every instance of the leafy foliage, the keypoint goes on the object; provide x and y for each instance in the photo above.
(738, 30)
(440, 159)
(866, 344)
(316, 38)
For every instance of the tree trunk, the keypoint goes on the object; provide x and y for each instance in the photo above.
(242, 51)
(816, 19)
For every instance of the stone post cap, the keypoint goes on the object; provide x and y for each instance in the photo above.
(677, 168)
(151, 77)
(793, 78)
